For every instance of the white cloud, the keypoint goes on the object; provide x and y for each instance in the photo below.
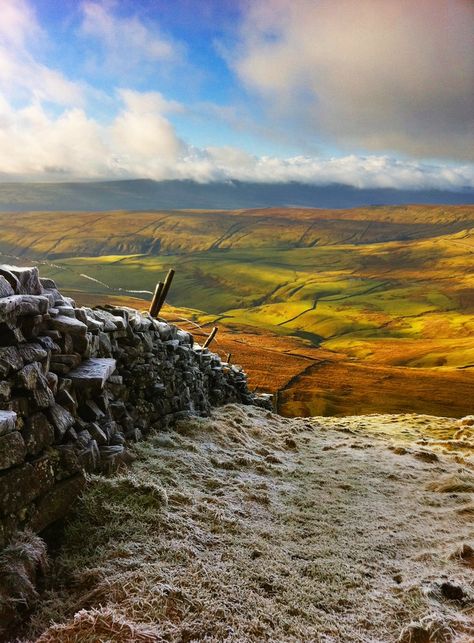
(358, 171)
(18, 23)
(141, 138)
(126, 42)
(34, 144)
(141, 142)
(378, 75)
(22, 77)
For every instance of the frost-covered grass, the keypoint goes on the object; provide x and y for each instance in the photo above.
(251, 527)
(19, 563)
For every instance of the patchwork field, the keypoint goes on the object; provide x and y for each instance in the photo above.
(343, 311)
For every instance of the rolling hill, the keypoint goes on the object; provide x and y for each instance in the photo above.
(360, 310)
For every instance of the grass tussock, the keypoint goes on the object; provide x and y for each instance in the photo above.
(453, 484)
(429, 629)
(279, 544)
(99, 625)
(20, 563)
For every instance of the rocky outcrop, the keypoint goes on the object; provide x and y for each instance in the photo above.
(77, 384)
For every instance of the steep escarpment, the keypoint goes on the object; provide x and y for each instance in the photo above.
(76, 387)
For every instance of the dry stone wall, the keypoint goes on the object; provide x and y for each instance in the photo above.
(77, 384)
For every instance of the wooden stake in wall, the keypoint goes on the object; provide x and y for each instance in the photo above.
(164, 291)
(211, 337)
(156, 299)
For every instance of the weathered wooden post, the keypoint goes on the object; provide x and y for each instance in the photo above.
(276, 401)
(156, 298)
(211, 337)
(164, 291)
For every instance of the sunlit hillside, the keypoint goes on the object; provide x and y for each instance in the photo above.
(376, 305)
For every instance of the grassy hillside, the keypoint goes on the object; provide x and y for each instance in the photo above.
(56, 235)
(391, 287)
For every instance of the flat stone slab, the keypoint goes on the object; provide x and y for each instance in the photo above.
(7, 421)
(68, 325)
(93, 372)
(19, 305)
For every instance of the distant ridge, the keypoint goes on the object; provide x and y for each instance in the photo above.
(144, 194)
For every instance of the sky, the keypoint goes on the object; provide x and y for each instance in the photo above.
(370, 93)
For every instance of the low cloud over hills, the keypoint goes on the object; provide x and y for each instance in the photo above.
(147, 194)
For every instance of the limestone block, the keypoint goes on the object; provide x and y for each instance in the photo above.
(27, 279)
(61, 419)
(5, 287)
(29, 376)
(67, 311)
(42, 395)
(72, 360)
(59, 369)
(12, 450)
(105, 345)
(94, 324)
(10, 360)
(52, 382)
(98, 435)
(21, 485)
(55, 335)
(7, 422)
(89, 457)
(49, 344)
(38, 433)
(112, 320)
(48, 283)
(68, 463)
(69, 325)
(5, 391)
(184, 337)
(20, 305)
(32, 352)
(93, 373)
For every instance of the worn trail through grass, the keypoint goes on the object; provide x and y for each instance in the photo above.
(247, 526)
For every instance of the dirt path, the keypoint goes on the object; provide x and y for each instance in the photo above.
(252, 527)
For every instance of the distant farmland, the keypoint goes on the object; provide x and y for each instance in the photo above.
(370, 309)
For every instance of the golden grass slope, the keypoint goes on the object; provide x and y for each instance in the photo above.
(55, 235)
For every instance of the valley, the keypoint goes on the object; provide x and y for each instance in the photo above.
(341, 311)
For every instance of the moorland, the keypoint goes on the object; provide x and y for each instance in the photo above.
(341, 311)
